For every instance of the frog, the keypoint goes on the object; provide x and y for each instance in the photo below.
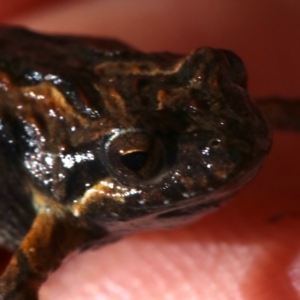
(99, 140)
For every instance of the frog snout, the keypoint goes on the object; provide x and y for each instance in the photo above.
(236, 68)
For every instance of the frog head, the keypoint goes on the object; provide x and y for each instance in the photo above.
(182, 136)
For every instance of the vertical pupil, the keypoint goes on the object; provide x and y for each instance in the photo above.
(134, 161)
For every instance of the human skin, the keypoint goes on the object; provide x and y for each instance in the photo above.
(250, 248)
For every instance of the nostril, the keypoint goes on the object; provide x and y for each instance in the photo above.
(214, 143)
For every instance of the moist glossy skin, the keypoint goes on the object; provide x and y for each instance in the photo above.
(99, 140)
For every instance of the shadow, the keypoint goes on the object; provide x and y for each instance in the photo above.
(4, 259)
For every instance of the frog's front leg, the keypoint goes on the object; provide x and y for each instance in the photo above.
(50, 240)
(282, 113)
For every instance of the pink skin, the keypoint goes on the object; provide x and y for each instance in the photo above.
(249, 249)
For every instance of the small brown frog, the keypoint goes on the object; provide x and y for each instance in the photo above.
(99, 140)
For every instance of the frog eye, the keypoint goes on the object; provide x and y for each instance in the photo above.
(134, 156)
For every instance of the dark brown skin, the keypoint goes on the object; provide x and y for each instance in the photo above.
(114, 141)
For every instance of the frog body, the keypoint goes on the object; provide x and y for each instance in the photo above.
(99, 140)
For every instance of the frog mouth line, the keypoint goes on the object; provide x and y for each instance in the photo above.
(187, 211)
(192, 206)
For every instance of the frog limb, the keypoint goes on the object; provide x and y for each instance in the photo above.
(42, 252)
(282, 113)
